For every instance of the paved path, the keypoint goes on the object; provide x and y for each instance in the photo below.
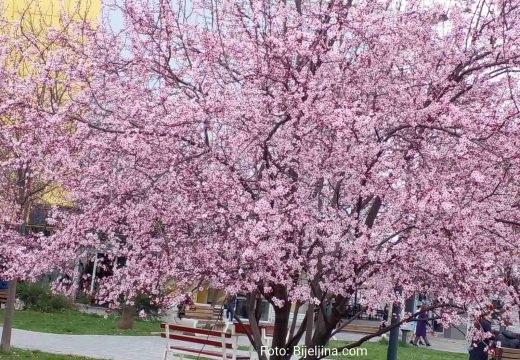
(141, 347)
(96, 346)
(449, 345)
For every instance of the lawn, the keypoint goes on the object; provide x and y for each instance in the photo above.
(75, 322)
(17, 354)
(377, 351)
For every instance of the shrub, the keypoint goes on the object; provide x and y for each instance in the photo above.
(39, 297)
(142, 302)
(83, 298)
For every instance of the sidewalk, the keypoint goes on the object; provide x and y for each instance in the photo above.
(448, 345)
(96, 346)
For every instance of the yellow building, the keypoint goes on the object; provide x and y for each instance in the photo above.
(36, 17)
(51, 10)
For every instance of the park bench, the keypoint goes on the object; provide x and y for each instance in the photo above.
(3, 296)
(204, 312)
(360, 329)
(205, 315)
(183, 340)
(507, 354)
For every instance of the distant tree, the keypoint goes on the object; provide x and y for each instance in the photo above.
(35, 86)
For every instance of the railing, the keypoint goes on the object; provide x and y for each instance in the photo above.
(354, 310)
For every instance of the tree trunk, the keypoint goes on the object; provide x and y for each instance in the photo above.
(126, 322)
(256, 336)
(23, 213)
(294, 319)
(258, 308)
(323, 327)
(5, 345)
(281, 329)
(310, 324)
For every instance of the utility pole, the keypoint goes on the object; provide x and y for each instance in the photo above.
(94, 271)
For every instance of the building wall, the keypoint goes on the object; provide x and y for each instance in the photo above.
(50, 10)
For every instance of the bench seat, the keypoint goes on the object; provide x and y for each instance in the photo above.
(3, 296)
(507, 354)
(360, 329)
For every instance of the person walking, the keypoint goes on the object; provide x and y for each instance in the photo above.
(414, 327)
(183, 305)
(420, 327)
(230, 308)
(384, 322)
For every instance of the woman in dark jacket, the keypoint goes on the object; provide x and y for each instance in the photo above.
(478, 349)
(231, 308)
(420, 328)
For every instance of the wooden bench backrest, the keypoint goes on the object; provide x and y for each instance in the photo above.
(203, 311)
(205, 307)
(509, 354)
(3, 295)
(198, 336)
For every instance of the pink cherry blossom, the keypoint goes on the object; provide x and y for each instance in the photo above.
(298, 151)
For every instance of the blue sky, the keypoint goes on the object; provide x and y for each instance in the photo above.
(115, 17)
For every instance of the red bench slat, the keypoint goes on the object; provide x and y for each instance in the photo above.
(242, 328)
(195, 331)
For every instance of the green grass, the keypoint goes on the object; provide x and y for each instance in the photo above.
(75, 322)
(17, 354)
(377, 351)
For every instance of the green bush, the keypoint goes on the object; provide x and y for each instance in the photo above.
(83, 298)
(143, 302)
(39, 297)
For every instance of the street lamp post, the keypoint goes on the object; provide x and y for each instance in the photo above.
(394, 332)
